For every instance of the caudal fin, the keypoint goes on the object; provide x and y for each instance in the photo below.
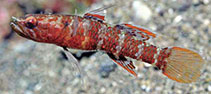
(183, 65)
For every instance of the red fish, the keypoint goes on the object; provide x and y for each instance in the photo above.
(91, 32)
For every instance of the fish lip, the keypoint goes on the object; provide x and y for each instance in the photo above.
(14, 23)
(15, 20)
(16, 27)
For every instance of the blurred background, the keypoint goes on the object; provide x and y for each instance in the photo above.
(28, 67)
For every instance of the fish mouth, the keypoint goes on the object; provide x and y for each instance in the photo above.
(16, 26)
(14, 19)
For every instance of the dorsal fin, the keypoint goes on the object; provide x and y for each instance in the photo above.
(142, 30)
(101, 9)
(98, 14)
(124, 63)
(94, 16)
(137, 32)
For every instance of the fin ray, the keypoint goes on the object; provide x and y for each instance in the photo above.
(137, 32)
(141, 30)
(183, 65)
(98, 14)
(127, 65)
(102, 8)
(94, 16)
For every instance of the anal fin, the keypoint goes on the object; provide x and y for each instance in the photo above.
(124, 63)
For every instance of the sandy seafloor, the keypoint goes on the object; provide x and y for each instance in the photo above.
(28, 67)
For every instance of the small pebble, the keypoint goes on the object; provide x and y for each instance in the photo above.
(209, 88)
(206, 1)
(51, 73)
(28, 92)
(178, 19)
(147, 65)
(106, 69)
(102, 90)
(68, 90)
(141, 10)
(38, 87)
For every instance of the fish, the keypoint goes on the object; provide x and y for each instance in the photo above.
(121, 42)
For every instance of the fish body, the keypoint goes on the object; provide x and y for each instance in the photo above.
(91, 32)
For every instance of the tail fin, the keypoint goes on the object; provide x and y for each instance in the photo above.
(183, 65)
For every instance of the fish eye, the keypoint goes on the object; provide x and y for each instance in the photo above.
(31, 22)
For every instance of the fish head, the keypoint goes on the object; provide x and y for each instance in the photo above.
(37, 27)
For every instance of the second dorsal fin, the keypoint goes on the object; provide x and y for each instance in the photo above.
(137, 32)
(142, 30)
